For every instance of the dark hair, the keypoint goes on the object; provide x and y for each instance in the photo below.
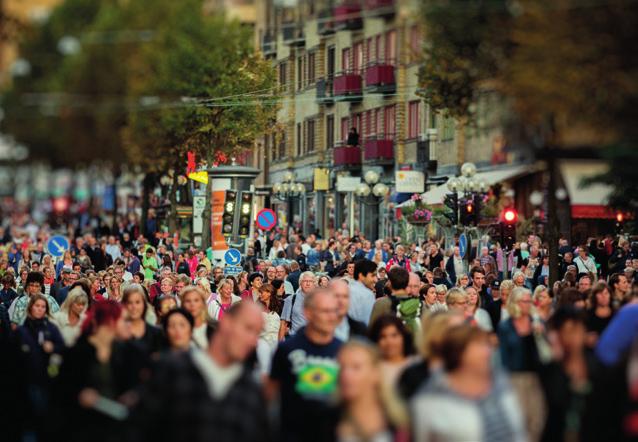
(614, 279)
(254, 276)
(455, 343)
(599, 287)
(569, 296)
(385, 321)
(364, 267)
(35, 277)
(177, 311)
(476, 270)
(563, 315)
(140, 275)
(273, 304)
(33, 299)
(398, 277)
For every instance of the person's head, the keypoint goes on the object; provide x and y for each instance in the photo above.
(38, 307)
(519, 279)
(256, 279)
(583, 252)
(441, 293)
(218, 273)
(280, 272)
(600, 296)
(34, 283)
(178, 326)
(392, 337)
(506, 288)
(360, 371)
(268, 297)
(520, 302)
(478, 277)
(571, 297)
(138, 277)
(164, 304)
(434, 329)
(225, 287)
(568, 324)
(398, 277)
(456, 300)
(400, 251)
(429, 277)
(324, 280)
(350, 269)
(76, 301)
(167, 285)
(414, 284)
(194, 300)
(238, 332)
(341, 290)
(321, 310)
(541, 297)
(307, 282)
(271, 273)
(619, 283)
(365, 273)
(473, 299)
(428, 293)
(466, 347)
(134, 301)
(584, 283)
(104, 317)
(462, 280)
(8, 281)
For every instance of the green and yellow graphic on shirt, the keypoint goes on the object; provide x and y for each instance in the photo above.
(317, 379)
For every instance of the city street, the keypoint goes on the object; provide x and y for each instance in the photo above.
(318, 220)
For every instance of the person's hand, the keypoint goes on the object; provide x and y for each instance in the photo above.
(88, 397)
(47, 346)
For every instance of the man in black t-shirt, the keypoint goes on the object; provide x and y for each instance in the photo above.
(305, 370)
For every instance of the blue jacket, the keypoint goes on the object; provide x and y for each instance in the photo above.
(516, 353)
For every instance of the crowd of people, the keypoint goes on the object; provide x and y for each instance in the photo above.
(340, 339)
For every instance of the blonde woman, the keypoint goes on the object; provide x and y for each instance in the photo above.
(193, 300)
(223, 300)
(368, 410)
(519, 279)
(543, 302)
(463, 280)
(498, 309)
(475, 311)
(114, 289)
(71, 315)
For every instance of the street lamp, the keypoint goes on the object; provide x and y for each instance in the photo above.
(288, 190)
(466, 192)
(370, 193)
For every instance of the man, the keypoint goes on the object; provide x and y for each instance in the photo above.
(156, 288)
(295, 274)
(120, 271)
(218, 274)
(349, 276)
(216, 396)
(203, 259)
(292, 314)
(478, 282)
(113, 249)
(378, 247)
(347, 326)
(305, 371)
(584, 262)
(33, 285)
(281, 273)
(362, 290)
(486, 258)
(414, 285)
(584, 284)
(455, 265)
(61, 294)
(8, 293)
(382, 279)
(619, 288)
(131, 262)
(271, 274)
(399, 278)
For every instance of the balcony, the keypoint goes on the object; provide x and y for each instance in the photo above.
(379, 149)
(325, 22)
(346, 157)
(292, 34)
(347, 86)
(325, 92)
(379, 8)
(348, 17)
(380, 78)
(268, 44)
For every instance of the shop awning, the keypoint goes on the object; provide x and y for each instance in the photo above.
(586, 202)
(437, 194)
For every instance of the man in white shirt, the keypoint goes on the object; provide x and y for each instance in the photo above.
(362, 295)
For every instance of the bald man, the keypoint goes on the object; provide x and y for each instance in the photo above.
(348, 326)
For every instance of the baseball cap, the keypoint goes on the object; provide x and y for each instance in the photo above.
(496, 284)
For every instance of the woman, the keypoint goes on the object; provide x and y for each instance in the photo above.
(114, 289)
(224, 299)
(395, 344)
(144, 335)
(399, 260)
(69, 318)
(95, 287)
(193, 300)
(519, 279)
(163, 305)
(474, 310)
(178, 328)
(523, 348)
(66, 261)
(600, 312)
(242, 282)
(441, 294)
(456, 301)
(39, 339)
(368, 411)
(452, 405)
(427, 293)
(93, 369)
(49, 279)
(47, 263)
(462, 281)
(269, 337)
(204, 284)
(84, 260)
(324, 280)
(543, 302)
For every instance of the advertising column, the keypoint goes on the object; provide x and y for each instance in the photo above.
(218, 195)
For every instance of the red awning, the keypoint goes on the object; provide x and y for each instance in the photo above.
(592, 211)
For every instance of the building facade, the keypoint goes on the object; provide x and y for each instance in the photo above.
(354, 65)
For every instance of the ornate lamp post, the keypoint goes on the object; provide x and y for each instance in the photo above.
(288, 190)
(371, 193)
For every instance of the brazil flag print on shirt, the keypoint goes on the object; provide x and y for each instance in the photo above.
(316, 375)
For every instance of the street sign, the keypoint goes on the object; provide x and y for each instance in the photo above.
(57, 245)
(232, 257)
(409, 181)
(233, 270)
(199, 204)
(266, 219)
(463, 244)
(348, 183)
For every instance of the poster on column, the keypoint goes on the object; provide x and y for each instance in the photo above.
(218, 242)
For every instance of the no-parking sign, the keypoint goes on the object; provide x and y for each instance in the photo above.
(266, 219)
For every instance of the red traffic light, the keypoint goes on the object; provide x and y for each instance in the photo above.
(469, 208)
(510, 216)
(620, 217)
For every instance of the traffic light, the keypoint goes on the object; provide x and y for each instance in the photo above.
(620, 220)
(509, 218)
(228, 218)
(451, 201)
(468, 212)
(245, 214)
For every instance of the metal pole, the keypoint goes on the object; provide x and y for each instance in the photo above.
(351, 214)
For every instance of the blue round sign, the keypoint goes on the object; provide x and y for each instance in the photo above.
(266, 219)
(57, 245)
(232, 257)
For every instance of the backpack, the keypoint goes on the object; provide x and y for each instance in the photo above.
(408, 310)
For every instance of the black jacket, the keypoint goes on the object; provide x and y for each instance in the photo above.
(357, 328)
